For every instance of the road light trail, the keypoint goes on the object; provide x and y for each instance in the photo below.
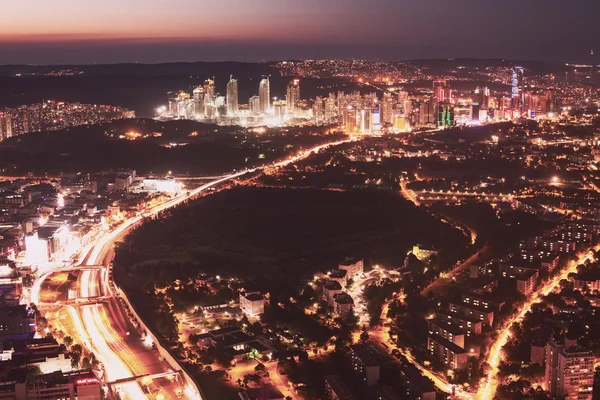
(488, 390)
(95, 325)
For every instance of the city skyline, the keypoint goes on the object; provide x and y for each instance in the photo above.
(67, 32)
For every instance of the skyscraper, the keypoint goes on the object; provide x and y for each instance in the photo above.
(254, 105)
(439, 91)
(199, 102)
(387, 109)
(292, 95)
(5, 126)
(232, 97)
(264, 94)
(209, 89)
(318, 110)
(569, 372)
(351, 122)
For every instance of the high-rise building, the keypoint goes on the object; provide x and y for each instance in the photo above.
(5, 126)
(387, 109)
(404, 103)
(209, 89)
(264, 93)
(366, 120)
(232, 97)
(569, 371)
(439, 91)
(331, 110)
(517, 82)
(351, 117)
(279, 109)
(425, 117)
(254, 105)
(198, 95)
(318, 110)
(292, 96)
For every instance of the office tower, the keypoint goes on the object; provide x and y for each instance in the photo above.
(569, 371)
(254, 105)
(319, 110)
(198, 95)
(292, 96)
(404, 103)
(5, 125)
(425, 117)
(387, 109)
(264, 93)
(445, 115)
(351, 117)
(182, 102)
(331, 110)
(232, 97)
(279, 109)
(517, 87)
(439, 91)
(342, 103)
(209, 90)
(366, 121)
(550, 100)
(482, 96)
(173, 98)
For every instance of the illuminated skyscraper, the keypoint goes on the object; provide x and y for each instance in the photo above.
(366, 121)
(264, 94)
(292, 95)
(254, 105)
(199, 102)
(331, 110)
(517, 87)
(351, 117)
(439, 91)
(5, 126)
(387, 109)
(209, 89)
(319, 110)
(232, 97)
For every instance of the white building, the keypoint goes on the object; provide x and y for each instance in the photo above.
(252, 304)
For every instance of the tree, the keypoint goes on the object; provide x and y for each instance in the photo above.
(68, 341)
(261, 370)
(252, 378)
(77, 349)
(75, 358)
(34, 371)
(85, 363)
(364, 336)
(41, 324)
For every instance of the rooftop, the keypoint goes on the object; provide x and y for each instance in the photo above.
(340, 388)
(456, 349)
(367, 354)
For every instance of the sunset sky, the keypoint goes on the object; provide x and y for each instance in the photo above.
(87, 31)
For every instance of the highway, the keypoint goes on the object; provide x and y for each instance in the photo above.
(105, 329)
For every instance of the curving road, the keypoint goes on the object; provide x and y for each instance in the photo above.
(105, 329)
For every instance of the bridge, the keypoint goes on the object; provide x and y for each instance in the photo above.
(81, 268)
(79, 301)
(144, 377)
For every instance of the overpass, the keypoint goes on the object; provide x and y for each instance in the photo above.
(167, 374)
(79, 301)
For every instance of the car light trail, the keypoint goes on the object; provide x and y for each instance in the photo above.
(488, 390)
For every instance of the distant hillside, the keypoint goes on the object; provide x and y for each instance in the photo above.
(203, 148)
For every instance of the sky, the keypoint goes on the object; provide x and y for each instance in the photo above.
(154, 31)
